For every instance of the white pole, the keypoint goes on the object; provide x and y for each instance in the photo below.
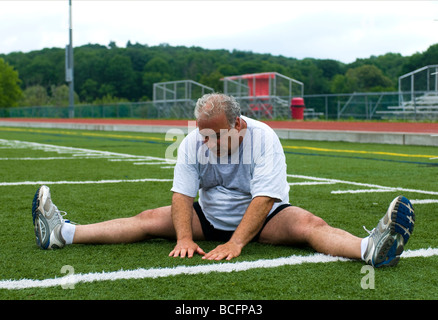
(71, 110)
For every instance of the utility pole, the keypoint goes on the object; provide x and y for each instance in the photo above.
(69, 77)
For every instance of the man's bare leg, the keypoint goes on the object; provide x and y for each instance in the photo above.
(294, 225)
(154, 223)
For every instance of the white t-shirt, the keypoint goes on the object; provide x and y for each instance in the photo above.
(227, 185)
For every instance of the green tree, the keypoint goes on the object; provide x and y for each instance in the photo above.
(46, 68)
(390, 64)
(312, 77)
(157, 64)
(149, 78)
(10, 92)
(368, 78)
(419, 60)
(120, 75)
(130, 72)
(34, 96)
(60, 96)
(212, 80)
(340, 84)
(90, 90)
(90, 63)
(365, 78)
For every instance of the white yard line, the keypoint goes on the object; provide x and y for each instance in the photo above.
(154, 273)
(27, 183)
(51, 158)
(309, 183)
(370, 188)
(424, 201)
(76, 153)
(81, 153)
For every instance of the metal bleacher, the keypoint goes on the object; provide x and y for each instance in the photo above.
(422, 107)
(418, 95)
(177, 99)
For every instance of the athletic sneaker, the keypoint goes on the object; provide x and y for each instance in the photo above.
(47, 220)
(387, 240)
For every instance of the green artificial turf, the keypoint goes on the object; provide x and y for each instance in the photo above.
(407, 167)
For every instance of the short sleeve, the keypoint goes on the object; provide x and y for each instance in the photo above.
(186, 173)
(269, 174)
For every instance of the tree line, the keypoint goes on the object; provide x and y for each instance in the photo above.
(106, 74)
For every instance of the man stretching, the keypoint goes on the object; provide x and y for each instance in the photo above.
(238, 168)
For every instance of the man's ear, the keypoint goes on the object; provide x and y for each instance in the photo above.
(238, 124)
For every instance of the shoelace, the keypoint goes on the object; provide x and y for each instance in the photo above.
(368, 231)
(63, 214)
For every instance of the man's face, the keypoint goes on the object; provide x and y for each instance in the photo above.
(219, 137)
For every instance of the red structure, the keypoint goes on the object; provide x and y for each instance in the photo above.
(264, 94)
(258, 85)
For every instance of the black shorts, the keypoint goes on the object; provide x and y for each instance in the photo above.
(213, 234)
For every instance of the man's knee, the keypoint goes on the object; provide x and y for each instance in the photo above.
(293, 225)
(315, 221)
(308, 223)
(156, 222)
(146, 215)
(154, 214)
(304, 224)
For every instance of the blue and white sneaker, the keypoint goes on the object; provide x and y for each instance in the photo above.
(47, 220)
(386, 241)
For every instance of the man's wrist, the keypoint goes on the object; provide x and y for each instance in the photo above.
(238, 242)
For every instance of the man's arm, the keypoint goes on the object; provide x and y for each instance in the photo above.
(248, 228)
(182, 212)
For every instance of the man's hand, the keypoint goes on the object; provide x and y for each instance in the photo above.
(251, 223)
(226, 251)
(186, 247)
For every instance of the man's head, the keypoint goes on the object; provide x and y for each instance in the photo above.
(213, 104)
(219, 122)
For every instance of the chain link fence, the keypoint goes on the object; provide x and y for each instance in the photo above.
(361, 106)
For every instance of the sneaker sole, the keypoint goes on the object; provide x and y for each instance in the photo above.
(388, 251)
(35, 205)
(404, 218)
(40, 223)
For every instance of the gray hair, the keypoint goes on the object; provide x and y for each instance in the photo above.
(218, 102)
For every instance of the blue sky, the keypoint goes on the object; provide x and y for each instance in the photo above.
(340, 30)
